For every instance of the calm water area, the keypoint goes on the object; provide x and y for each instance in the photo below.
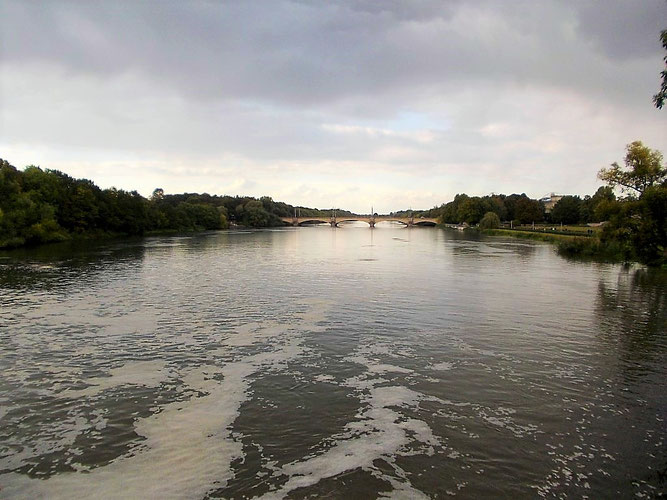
(330, 363)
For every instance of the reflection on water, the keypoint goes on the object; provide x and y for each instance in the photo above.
(634, 309)
(63, 264)
(320, 362)
(632, 316)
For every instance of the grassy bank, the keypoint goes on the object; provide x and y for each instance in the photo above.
(572, 246)
(532, 235)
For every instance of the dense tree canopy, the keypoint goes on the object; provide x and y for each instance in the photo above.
(468, 209)
(567, 210)
(598, 208)
(40, 206)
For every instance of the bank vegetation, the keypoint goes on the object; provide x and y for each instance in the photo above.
(43, 206)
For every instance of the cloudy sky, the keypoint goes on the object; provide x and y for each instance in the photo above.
(387, 103)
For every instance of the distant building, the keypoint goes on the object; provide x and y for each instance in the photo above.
(550, 201)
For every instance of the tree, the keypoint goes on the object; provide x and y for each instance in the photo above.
(496, 204)
(450, 211)
(254, 215)
(510, 205)
(643, 169)
(605, 210)
(659, 98)
(471, 210)
(490, 221)
(594, 208)
(10, 183)
(158, 194)
(650, 239)
(567, 210)
(527, 210)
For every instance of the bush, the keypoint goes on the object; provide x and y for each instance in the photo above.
(490, 221)
(593, 248)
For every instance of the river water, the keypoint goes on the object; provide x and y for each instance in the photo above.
(329, 363)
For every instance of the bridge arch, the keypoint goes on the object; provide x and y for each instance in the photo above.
(352, 219)
(312, 222)
(378, 220)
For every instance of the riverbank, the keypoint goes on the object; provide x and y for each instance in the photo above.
(579, 246)
(533, 235)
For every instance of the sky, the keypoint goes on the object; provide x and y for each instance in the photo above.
(351, 104)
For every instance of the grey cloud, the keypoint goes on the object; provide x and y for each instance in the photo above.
(316, 54)
(622, 29)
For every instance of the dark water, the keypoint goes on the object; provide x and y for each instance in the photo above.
(334, 363)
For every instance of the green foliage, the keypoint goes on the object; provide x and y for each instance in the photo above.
(643, 169)
(41, 206)
(27, 213)
(650, 238)
(659, 98)
(450, 211)
(592, 248)
(527, 211)
(605, 210)
(599, 207)
(490, 221)
(567, 210)
(254, 213)
(636, 230)
(471, 209)
(637, 226)
(530, 235)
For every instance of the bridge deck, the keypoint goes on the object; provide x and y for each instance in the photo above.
(408, 221)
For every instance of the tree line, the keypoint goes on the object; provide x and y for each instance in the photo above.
(635, 224)
(42, 206)
(521, 209)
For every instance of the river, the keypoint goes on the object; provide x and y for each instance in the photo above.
(338, 363)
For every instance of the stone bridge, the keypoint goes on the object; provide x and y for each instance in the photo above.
(371, 220)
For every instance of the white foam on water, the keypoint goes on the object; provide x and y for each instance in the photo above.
(188, 446)
(403, 491)
(386, 368)
(142, 373)
(444, 366)
(253, 333)
(81, 312)
(86, 350)
(62, 435)
(380, 431)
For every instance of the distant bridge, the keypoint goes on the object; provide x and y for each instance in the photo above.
(371, 220)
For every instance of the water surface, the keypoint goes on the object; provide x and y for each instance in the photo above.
(336, 363)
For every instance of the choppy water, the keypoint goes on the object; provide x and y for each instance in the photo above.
(346, 363)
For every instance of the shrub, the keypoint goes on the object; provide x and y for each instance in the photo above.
(490, 221)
